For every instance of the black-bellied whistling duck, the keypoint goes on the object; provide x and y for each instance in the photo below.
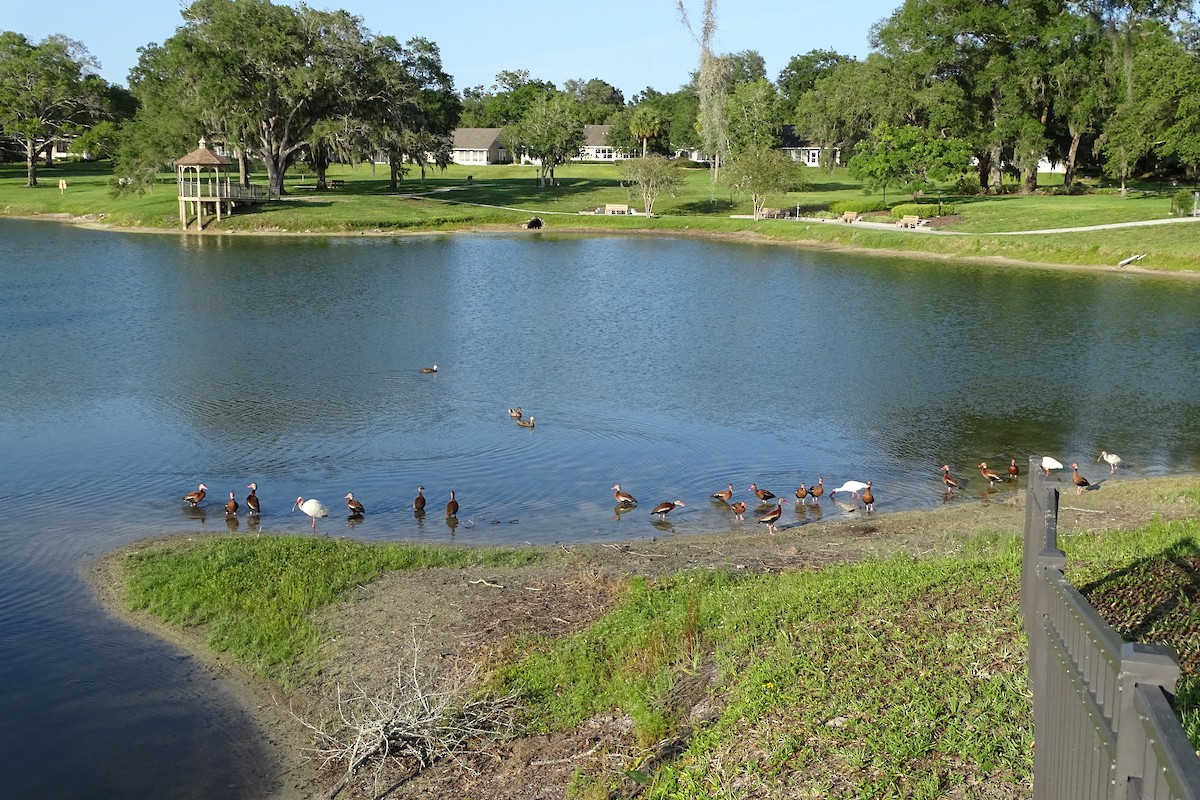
(452, 506)
(526, 423)
(948, 479)
(428, 370)
(802, 493)
(515, 413)
(662, 509)
(818, 490)
(252, 505)
(725, 495)
(1013, 469)
(853, 487)
(771, 517)
(313, 507)
(193, 498)
(868, 497)
(622, 498)
(356, 508)
(762, 494)
(990, 475)
(1111, 458)
(1049, 463)
(1080, 482)
(419, 500)
(739, 508)
(231, 505)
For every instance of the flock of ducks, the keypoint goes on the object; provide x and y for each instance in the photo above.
(859, 491)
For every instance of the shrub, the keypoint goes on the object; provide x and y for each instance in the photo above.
(922, 210)
(862, 206)
(1182, 203)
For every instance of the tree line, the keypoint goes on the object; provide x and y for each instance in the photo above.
(950, 87)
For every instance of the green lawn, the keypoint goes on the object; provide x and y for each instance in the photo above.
(506, 196)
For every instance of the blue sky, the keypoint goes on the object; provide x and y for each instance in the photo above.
(629, 43)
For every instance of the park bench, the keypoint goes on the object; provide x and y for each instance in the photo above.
(336, 183)
(615, 208)
(909, 221)
(849, 216)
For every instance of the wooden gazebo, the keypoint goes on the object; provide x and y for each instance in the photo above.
(203, 185)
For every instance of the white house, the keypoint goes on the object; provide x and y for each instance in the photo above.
(479, 146)
(802, 150)
(596, 147)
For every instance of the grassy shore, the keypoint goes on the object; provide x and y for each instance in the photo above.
(880, 656)
(504, 197)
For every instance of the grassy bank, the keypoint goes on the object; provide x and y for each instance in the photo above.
(506, 196)
(255, 596)
(899, 675)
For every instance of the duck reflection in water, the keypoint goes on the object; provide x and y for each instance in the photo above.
(620, 509)
(232, 523)
(196, 513)
(452, 524)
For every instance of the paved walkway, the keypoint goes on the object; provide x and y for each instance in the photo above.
(893, 227)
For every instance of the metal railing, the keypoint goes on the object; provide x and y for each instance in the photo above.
(1103, 722)
(225, 190)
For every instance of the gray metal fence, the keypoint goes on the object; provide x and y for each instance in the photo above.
(1103, 723)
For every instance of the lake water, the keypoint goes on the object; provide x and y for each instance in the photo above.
(137, 366)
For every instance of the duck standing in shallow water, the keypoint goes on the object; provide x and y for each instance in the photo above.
(252, 505)
(868, 497)
(739, 508)
(622, 498)
(193, 498)
(990, 475)
(771, 517)
(452, 506)
(949, 480)
(818, 490)
(762, 494)
(1013, 469)
(356, 508)
(662, 509)
(419, 500)
(725, 495)
(231, 505)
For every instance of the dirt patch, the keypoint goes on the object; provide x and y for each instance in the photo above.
(468, 615)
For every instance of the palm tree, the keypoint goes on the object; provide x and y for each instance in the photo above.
(645, 125)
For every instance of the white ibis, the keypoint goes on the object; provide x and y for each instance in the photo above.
(526, 423)
(356, 508)
(515, 413)
(771, 517)
(231, 505)
(739, 508)
(1049, 463)
(725, 495)
(818, 490)
(868, 497)
(1013, 469)
(312, 507)
(1112, 459)
(662, 509)
(193, 498)
(452, 506)
(853, 487)
(761, 494)
(990, 475)
(252, 505)
(1080, 482)
(419, 500)
(428, 370)
(622, 498)
(948, 479)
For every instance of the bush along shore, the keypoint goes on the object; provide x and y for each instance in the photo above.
(1044, 228)
(877, 655)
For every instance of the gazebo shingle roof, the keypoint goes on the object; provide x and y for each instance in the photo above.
(202, 157)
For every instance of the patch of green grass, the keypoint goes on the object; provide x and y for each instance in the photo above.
(896, 678)
(256, 595)
(508, 195)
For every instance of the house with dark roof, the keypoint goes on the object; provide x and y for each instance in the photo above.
(596, 146)
(802, 150)
(479, 146)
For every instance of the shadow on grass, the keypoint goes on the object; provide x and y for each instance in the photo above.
(700, 207)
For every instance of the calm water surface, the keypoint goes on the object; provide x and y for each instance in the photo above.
(137, 366)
